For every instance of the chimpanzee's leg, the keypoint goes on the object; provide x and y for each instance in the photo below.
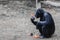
(46, 31)
(39, 27)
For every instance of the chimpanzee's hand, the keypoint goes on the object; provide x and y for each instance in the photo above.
(33, 18)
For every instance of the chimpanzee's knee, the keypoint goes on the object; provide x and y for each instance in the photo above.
(48, 31)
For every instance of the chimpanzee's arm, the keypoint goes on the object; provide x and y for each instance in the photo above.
(42, 22)
(34, 22)
(38, 23)
(46, 21)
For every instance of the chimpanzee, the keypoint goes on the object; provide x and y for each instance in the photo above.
(46, 25)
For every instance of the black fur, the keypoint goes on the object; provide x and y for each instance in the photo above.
(46, 25)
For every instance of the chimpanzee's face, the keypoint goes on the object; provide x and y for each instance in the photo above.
(37, 15)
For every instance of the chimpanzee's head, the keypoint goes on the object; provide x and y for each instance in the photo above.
(39, 13)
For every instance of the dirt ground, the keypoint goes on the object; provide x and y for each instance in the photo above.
(15, 23)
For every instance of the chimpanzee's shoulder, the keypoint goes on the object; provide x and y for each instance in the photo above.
(47, 13)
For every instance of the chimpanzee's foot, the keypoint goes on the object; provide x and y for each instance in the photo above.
(36, 36)
(42, 37)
